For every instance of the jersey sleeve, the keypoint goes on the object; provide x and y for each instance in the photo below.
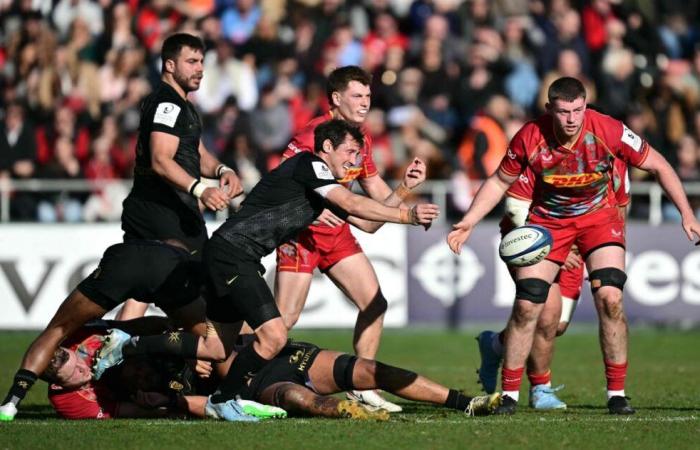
(626, 144)
(514, 161)
(167, 117)
(369, 168)
(301, 142)
(523, 187)
(313, 173)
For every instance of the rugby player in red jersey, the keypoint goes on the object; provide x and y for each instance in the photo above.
(559, 307)
(571, 151)
(329, 244)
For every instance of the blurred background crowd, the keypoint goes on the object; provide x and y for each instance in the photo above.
(452, 82)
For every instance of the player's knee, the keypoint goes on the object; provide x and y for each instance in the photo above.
(533, 290)
(272, 337)
(343, 369)
(375, 307)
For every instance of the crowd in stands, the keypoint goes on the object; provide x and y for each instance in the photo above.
(452, 81)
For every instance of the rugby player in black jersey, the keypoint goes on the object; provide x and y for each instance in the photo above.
(171, 159)
(284, 202)
(162, 205)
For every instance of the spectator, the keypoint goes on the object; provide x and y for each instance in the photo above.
(63, 206)
(238, 22)
(17, 159)
(272, 126)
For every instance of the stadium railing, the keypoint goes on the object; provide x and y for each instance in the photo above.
(437, 191)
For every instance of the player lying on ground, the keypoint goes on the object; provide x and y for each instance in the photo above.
(146, 386)
(159, 272)
(301, 378)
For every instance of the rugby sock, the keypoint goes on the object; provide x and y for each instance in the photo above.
(537, 379)
(615, 375)
(172, 343)
(23, 382)
(457, 400)
(246, 365)
(510, 382)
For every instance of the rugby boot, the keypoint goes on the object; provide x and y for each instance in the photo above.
(261, 411)
(620, 405)
(490, 361)
(110, 354)
(374, 400)
(229, 411)
(8, 411)
(507, 407)
(543, 397)
(355, 410)
(484, 405)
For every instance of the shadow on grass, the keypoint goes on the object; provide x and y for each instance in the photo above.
(639, 408)
(36, 412)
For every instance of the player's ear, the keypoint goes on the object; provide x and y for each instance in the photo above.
(335, 96)
(548, 107)
(169, 65)
(327, 146)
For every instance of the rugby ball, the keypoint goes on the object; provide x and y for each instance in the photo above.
(525, 246)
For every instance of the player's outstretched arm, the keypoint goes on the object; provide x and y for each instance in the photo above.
(415, 174)
(366, 208)
(488, 196)
(672, 185)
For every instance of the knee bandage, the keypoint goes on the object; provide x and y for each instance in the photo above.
(342, 371)
(609, 276)
(532, 289)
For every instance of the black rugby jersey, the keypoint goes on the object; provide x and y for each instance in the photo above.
(283, 203)
(165, 111)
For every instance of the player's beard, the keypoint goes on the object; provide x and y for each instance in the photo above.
(186, 83)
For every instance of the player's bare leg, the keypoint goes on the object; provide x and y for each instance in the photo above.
(606, 269)
(132, 309)
(74, 312)
(542, 396)
(520, 332)
(370, 374)
(355, 276)
(291, 291)
(300, 400)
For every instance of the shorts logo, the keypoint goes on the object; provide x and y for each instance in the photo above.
(175, 386)
(616, 233)
(228, 282)
(321, 170)
(578, 180)
(166, 113)
(97, 272)
(296, 357)
(174, 337)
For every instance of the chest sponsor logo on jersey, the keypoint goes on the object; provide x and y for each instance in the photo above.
(577, 180)
(166, 113)
(630, 138)
(321, 170)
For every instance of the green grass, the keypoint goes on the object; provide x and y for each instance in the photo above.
(664, 382)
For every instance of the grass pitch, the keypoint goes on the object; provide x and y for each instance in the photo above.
(663, 381)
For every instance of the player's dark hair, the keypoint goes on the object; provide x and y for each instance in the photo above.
(339, 79)
(567, 89)
(174, 44)
(59, 359)
(336, 130)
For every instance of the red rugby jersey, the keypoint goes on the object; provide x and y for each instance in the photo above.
(573, 182)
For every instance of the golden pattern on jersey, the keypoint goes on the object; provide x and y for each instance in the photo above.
(174, 337)
(574, 180)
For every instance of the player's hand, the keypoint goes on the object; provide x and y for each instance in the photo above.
(203, 369)
(423, 214)
(415, 173)
(230, 184)
(573, 261)
(459, 235)
(328, 218)
(692, 229)
(214, 199)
